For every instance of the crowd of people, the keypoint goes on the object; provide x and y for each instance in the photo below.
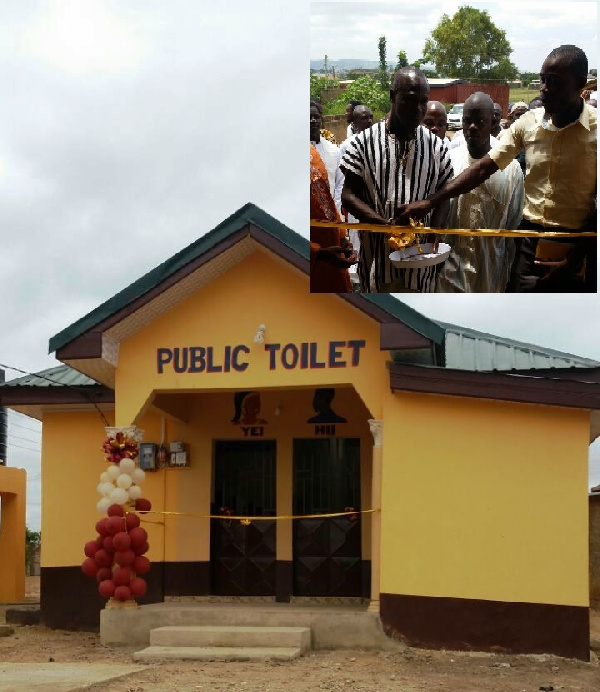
(534, 171)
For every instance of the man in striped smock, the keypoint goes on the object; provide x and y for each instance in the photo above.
(395, 162)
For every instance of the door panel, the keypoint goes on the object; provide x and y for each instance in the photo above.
(243, 557)
(327, 551)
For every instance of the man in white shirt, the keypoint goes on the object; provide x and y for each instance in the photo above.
(477, 264)
(436, 120)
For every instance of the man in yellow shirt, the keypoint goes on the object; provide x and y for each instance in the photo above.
(560, 183)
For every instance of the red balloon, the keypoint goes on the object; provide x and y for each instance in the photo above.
(137, 587)
(107, 588)
(89, 567)
(122, 593)
(124, 558)
(122, 541)
(114, 525)
(132, 521)
(143, 505)
(103, 574)
(141, 549)
(101, 527)
(141, 564)
(122, 576)
(100, 541)
(108, 544)
(103, 559)
(90, 548)
(115, 511)
(138, 537)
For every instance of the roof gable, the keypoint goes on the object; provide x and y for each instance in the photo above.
(264, 229)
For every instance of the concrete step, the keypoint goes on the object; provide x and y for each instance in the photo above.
(216, 653)
(232, 636)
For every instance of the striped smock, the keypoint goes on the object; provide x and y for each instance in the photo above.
(376, 157)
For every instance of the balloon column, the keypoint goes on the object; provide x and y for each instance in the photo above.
(116, 557)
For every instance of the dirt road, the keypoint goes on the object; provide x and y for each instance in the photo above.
(331, 671)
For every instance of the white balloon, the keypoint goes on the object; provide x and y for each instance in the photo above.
(103, 505)
(138, 476)
(119, 496)
(107, 488)
(127, 465)
(135, 492)
(100, 487)
(124, 481)
(104, 477)
(114, 472)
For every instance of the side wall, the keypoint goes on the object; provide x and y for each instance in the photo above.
(485, 525)
(13, 485)
(595, 550)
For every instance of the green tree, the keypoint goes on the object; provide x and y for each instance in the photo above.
(365, 89)
(402, 60)
(383, 70)
(470, 46)
(32, 540)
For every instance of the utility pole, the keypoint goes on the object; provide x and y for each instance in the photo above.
(3, 429)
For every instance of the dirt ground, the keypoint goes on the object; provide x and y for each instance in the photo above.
(411, 670)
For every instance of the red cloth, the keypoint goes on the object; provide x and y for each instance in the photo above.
(324, 277)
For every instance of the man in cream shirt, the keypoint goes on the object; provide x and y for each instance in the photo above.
(560, 184)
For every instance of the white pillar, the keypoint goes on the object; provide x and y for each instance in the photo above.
(377, 432)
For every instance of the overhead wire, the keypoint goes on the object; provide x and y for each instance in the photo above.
(59, 384)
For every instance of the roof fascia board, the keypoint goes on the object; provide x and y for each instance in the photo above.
(498, 386)
(23, 395)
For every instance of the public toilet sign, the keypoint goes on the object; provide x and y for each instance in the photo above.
(308, 355)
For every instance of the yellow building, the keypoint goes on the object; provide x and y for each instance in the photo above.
(472, 449)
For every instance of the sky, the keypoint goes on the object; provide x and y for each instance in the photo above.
(128, 130)
(352, 29)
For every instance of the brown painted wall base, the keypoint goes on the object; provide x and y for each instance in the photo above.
(465, 624)
(70, 600)
(186, 578)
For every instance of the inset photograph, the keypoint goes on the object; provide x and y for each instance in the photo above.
(450, 152)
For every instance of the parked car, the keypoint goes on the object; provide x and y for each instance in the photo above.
(455, 116)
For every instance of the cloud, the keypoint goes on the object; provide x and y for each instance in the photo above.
(352, 29)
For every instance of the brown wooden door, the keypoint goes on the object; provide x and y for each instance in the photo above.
(243, 557)
(327, 551)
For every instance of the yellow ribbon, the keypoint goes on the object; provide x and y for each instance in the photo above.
(489, 232)
(247, 520)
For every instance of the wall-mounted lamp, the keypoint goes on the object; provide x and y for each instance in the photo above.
(260, 334)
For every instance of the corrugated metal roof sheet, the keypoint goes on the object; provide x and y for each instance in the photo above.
(468, 349)
(59, 376)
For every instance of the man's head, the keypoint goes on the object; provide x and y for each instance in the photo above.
(517, 110)
(316, 116)
(409, 97)
(497, 118)
(477, 117)
(563, 76)
(593, 102)
(350, 109)
(362, 118)
(435, 119)
(535, 103)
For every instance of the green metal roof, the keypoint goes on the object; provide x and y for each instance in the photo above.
(249, 213)
(60, 376)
